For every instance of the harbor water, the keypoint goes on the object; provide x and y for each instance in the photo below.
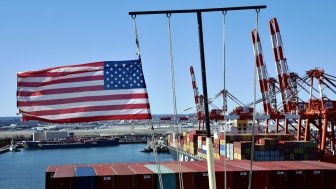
(26, 169)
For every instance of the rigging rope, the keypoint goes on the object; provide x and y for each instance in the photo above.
(157, 161)
(254, 104)
(174, 98)
(224, 93)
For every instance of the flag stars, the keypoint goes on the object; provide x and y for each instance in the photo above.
(121, 75)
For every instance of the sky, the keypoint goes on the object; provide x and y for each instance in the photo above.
(46, 33)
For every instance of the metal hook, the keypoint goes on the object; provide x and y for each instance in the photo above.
(168, 15)
(133, 16)
(224, 12)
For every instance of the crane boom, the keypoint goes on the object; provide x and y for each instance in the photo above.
(288, 91)
(262, 72)
(198, 98)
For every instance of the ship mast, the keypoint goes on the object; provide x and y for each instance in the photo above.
(210, 158)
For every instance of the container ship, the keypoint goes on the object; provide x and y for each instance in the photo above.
(100, 142)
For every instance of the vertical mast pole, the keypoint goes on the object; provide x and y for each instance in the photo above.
(210, 156)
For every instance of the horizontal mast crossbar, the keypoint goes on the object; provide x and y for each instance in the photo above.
(197, 10)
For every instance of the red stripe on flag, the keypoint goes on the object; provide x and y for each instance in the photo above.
(83, 99)
(59, 81)
(91, 119)
(61, 91)
(43, 73)
(89, 109)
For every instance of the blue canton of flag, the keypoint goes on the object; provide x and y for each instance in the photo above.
(123, 75)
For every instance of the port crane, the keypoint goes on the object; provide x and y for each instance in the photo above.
(319, 111)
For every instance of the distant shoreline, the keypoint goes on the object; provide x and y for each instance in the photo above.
(114, 130)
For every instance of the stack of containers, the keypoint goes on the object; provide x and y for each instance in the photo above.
(192, 142)
(216, 146)
(242, 150)
(269, 150)
(300, 150)
(201, 148)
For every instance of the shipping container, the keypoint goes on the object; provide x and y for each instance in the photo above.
(105, 176)
(188, 176)
(49, 176)
(85, 178)
(220, 175)
(125, 177)
(145, 178)
(168, 176)
(64, 178)
(314, 179)
(329, 172)
(202, 181)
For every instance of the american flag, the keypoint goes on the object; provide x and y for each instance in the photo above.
(113, 90)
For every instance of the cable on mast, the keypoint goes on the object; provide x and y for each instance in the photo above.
(254, 105)
(157, 161)
(174, 97)
(224, 92)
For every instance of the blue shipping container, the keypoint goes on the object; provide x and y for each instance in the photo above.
(85, 178)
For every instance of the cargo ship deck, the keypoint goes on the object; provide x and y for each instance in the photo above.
(267, 174)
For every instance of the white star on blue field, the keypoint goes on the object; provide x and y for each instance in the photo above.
(123, 75)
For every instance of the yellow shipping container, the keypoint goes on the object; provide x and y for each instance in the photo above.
(237, 156)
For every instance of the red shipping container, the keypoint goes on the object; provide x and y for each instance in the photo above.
(64, 178)
(105, 176)
(314, 179)
(201, 174)
(125, 177)
(146, 179)
(49, 175)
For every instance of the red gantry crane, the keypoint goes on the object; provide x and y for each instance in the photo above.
(267, 84)
(287, 88)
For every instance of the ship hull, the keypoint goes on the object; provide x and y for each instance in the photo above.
(50, 145)
(183, 156)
